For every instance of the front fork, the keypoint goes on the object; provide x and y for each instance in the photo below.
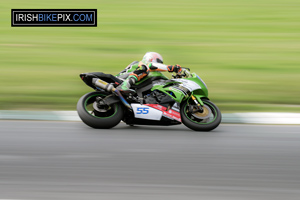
(198, 104)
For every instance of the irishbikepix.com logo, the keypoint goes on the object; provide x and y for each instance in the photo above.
(53, 17)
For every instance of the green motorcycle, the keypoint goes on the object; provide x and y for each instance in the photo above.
(156, 100)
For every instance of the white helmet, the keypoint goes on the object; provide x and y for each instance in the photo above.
(152, 57)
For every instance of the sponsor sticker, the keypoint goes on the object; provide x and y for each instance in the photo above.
(170, 113)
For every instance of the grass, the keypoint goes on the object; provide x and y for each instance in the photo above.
(248, 52)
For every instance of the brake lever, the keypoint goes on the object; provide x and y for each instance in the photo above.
(177, 76)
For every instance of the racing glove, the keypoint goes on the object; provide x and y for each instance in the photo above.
(174, 68)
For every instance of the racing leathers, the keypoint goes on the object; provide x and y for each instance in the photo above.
(139, 70)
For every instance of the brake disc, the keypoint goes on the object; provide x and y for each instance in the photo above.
(204, 115)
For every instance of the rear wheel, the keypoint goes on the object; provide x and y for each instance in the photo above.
(96, 115)
(207, 120)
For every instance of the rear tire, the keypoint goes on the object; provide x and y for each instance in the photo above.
(100, 120)
(201, 125)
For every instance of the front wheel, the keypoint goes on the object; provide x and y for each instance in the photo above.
(96, 115)
(208, 120)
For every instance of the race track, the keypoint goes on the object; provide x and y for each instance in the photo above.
(68, 160)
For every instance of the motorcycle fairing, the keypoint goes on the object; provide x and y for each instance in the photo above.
(154, 112)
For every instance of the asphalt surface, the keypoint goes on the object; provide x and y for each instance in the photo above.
(68, 160)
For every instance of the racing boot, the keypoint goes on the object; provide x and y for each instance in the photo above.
(124, 88)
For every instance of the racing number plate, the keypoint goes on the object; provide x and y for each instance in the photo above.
(146, 112)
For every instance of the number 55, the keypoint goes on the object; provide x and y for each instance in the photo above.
(142, 110)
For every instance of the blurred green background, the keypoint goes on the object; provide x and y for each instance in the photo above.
(247, 52)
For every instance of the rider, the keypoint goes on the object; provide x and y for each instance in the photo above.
(151, 61)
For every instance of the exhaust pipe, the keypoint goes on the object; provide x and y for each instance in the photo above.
(110, 88)
(103, 85)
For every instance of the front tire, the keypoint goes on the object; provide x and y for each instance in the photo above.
(210, 119)
(101, 118)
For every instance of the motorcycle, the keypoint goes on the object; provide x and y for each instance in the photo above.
(155, 100)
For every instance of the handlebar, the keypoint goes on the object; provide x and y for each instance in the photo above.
(185, 72)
